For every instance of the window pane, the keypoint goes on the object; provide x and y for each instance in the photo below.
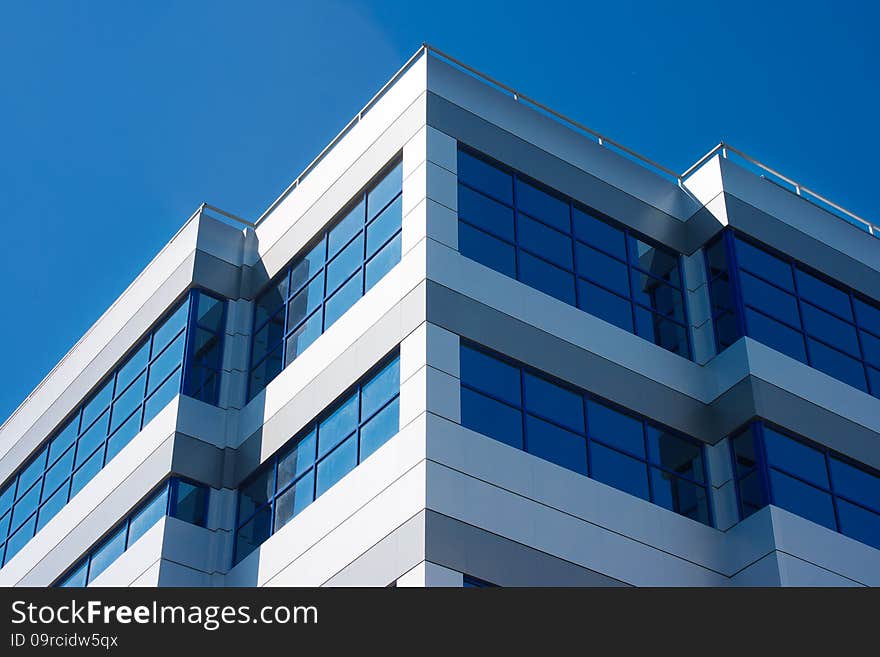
(128, 401)
(657, 296)
(265, 371)
(32, 471)
(57, 473)
(829, 329)
(385, 190)
(303, 336)
(617, 470)
(490, 375)
(64, 439)
(602, 235)
(106, 554)
(870, 347)
(483, 212)
(337, 464)
(7, 496)
(487, 250)
(554, 402)
(307, 266)
(541, 205)
(726, 330)
(795, 457)
(857, 484)
(837, 364)
(383, 226)
(343, 299)
(209, 313)
(344, 264)
(90, 440)
(148, 516)
(135, 364)
(297, 460)
(96, 405)
(270, 301)
(605, 305)
(26, 505)
(556, 445)
(675, 453)
(268, 336)
(340, 423)
(4, 527)
(383, 261)
(166, 392)
(206, 349)
(602, 269)
(823, 295)
(546, 242)
(859, 523)
(769, 299)
(751, 494)
(615, 428)
(491, 418)
(775, 335)
(346, 228)
(253, 533)
(51, 507)
(744, 451)
(546, 277)
(303, 304)
(255, 493)
(868, 316)
(87, 472)
(294, 499)
(379, 429)
(78, 577)
(680, 495)
(191, 504)
(20, 538)
(172, 326)
(382, 387)
(802, 499)
(765, 265)
(485, 177)
(716, 258)
(160, 368)
(658, 262)
(721, 296)
(664, 332)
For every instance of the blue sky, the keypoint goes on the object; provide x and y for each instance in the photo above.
(118, 119)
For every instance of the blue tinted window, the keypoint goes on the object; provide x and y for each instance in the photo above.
(823, 295)
(670, 335)
(381, 388)
(106, 554)
(679, 495)
(492, 418)
(487, 250)
(858, 485)
(829, 329)
(795, 457)
(618, 470)
(190, 503)
(537, 250)
(483, 176)
(870, 347)
(615, 428)
(490, 375)
(294, 499)
(143, 519)
(769, 299)
(802, 499)
(554, 402)
(339, 463)
(51, 507)
(763, 264)
(868, 316)
(340, 423)
(837, 364)
(776, 335)
(556, 445)
(360, 246)
(674, 453)
(860, 523)
(379, 429)
(296, 460)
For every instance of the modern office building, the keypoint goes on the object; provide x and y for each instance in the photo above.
(473, 343)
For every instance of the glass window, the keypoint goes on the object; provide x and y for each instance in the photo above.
(384, 190)
(159, 400)
(147, 516)
(305, 267)
(297, 459)
(255, 493)
(58, 473)
(382, 387)
(98, 402)
(602, 269)
(675, 453)
(543, 241)
(615, 428)
(384, 226)
(165, 364)
(542, 205)
(343, 299)
(481, 175)
(32, 471)
(128, 401)
(490, 375)
(837, 364)
(20, 538)
(658, 262)
(554, 402)
(751, 494)
(491, 418)
(605, 305)
(856, 484)
(191, 503)
(769, 299)
(133, 367)
(745, 458)
(64, 439)
(823, 295)
(106, 554)
(347, 227)
(379, 429)
(556, 445)
(344, 264)
(337, 464)
(26, 505)
(795, 457)
(78, 577)
(87, 472)
(670, 335)
(487, 250)
(680, 495)
(764, 265)
(658, 296)
(802, 499)
(340, 423)
(860, 523)
(868, 316)
(548, 278)
(255, 531)
(829, 329)
(716, 259)
(775, 335)
(270, 301)
(91, 439)
(303, 304)
(618, 470)
(484, 213)
(209, 313)
(294, 499)
(596, 232)
(383, 262)
(170, 328)
(51, 507)
(870, 347)
(303, 336)
(265, 371)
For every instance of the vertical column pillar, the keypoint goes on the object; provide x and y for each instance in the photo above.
(721, 484)
(699, 307)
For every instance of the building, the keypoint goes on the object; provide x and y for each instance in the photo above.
(472, 343)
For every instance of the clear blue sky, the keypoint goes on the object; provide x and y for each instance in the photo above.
(118, 118)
